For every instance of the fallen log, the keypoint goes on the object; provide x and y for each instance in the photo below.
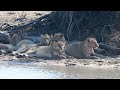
(110, 48)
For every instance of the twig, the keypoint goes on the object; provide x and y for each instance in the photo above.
(69, 25)
(104, 29)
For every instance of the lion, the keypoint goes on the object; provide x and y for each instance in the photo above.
(83, 49)
(3, 46)
(24, 48)
(25, 41)
(6, 48)
(45, 39)
(15, 44)
(59, 37)
(54, 50)
(15, 39)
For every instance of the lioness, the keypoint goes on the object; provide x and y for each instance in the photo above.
(25, 48)
(82, 49)
(15, 39)
(45, 39)
(23, 42)
(59, 37)
(55, 49)
(6, 48)
(3, 46)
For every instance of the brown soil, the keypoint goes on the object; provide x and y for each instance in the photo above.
(99, 63)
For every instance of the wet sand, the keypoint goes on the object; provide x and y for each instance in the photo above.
(97, 63)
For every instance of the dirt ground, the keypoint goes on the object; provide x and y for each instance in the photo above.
(20, 17)
(98, 63)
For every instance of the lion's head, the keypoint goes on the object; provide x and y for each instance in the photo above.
(92, 43)
(45, 39)
(59, 37)
(58, 45)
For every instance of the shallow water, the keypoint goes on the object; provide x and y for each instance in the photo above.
(30, 71)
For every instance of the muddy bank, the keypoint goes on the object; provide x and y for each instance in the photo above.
(97, 63)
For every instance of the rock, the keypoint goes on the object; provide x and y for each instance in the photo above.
(10, 46)
(0, 52)
(111, 49)
(100, 51)
(7, 51)
(6, 48)
(4, 38)
(3, 46)
(4, 51)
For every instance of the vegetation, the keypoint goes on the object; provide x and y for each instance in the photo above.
(77, 25)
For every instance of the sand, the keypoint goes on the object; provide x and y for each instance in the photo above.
(97, 63)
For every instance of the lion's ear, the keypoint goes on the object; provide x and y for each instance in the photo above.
(65, 42)
(46, 34)
(51, 36)
(88, 39)
(54, 42)
(77, 45)
(62, 35)
(41, 35)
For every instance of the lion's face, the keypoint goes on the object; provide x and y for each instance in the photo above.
(45, 39)
(59, 37)
(92, 42)
(58, 45)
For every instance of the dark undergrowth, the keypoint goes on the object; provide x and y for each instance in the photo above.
(77, 25)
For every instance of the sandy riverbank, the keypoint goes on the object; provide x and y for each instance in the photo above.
(97, 63)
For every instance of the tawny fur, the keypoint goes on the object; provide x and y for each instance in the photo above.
(15, 39)
(83, 49)
(55, 49)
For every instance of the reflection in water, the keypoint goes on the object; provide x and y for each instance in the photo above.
(30, 71)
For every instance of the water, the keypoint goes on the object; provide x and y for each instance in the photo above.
(30, 71)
